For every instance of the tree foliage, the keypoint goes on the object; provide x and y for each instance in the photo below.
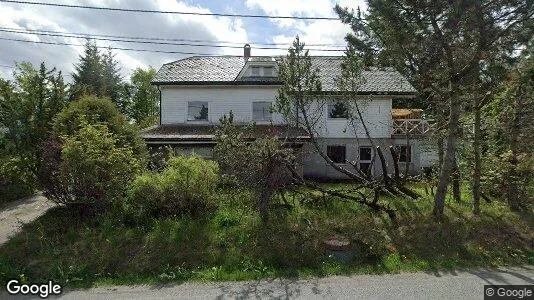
(94, 170)
(263, 164)
(142, 97)
(28, 106)
(98, 74)
(93, 125)
(438, 45)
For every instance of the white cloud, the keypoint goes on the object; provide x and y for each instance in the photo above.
(112, 23)
(310, 32)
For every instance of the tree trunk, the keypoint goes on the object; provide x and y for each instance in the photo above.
(395, 163)
(512, 189)
(456, 192)
(450, 153)
(477, 168)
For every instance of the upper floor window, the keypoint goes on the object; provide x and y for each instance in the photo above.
(197, 111)
(262, 71)
(261, 111)
(337, 153)
(268, 71)
(255, 71)
(338, 110)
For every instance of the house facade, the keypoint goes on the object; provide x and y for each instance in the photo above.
(197, 91)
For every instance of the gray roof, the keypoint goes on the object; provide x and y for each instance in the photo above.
(206, 133)
(225, 69)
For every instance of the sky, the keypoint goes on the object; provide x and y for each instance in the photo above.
(174, 26)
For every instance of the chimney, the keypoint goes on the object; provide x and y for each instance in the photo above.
(246, 51)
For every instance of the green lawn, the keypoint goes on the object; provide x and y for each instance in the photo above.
(233, 243)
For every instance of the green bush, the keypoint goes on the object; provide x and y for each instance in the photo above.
(16, 178)
(93, 154)
(185, 187)
(93, 110)
(93, 169)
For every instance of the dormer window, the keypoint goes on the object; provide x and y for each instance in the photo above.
(268, 71)
(255, 71)
(262, 71)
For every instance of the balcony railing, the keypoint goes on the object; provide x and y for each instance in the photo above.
(411, 126)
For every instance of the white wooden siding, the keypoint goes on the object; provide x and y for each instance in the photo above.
(222, 100)
(376, 110)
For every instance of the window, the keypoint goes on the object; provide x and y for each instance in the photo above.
(338, 110)
(197, 111)
(268, 71)
(336, 153)
(365, 155)
(255, 71)
(201, 151)
(405, 153)
(261, 111)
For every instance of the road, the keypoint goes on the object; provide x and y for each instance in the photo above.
(14, 214)
(439, 285)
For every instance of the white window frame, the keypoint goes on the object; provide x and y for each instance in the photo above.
(195, 120)
(328, 111)
(252, 110)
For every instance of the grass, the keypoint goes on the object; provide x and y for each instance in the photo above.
(233, 243)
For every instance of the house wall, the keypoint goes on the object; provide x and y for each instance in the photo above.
(221, 100)
(316, 167)
(376, 110)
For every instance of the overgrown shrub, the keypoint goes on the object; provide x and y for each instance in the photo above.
(185, 187)
(93, 154)
(16, 178)
(93, 110)
(95, 170)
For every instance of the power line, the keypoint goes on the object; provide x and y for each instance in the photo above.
(162, 39)
(168, 12)
(5, 66)
(152, 42)
(113, 48)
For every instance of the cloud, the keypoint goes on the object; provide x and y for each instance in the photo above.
(310, 32)
(112, 23)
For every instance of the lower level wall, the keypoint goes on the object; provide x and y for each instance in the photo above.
(423, 154)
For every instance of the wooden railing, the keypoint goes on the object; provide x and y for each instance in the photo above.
(411, 126)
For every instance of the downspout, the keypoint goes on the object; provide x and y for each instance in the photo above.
(159, 104)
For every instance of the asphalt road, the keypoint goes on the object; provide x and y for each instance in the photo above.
(439, 285)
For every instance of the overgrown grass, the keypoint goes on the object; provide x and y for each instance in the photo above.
(233, 243)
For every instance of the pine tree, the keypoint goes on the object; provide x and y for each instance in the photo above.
(111, 80)
(88, 72)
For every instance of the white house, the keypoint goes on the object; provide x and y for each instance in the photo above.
(196, 92)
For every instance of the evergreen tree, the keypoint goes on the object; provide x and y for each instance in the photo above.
(438, 45)
(28, 106)
(88, 72)
(111, 80)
